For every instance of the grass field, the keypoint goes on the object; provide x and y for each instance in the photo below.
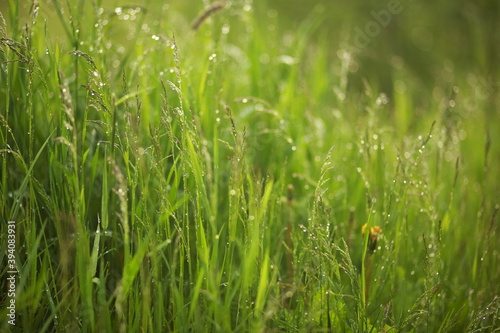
(249, 166)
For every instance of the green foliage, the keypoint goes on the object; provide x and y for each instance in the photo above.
(209, 167)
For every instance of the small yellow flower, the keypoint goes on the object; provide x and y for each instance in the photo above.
(375, 231)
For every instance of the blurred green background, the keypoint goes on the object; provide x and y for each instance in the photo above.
(427, 35)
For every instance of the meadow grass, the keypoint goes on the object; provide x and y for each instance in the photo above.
(168, 173)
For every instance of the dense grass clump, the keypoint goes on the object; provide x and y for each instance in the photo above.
(250, 167)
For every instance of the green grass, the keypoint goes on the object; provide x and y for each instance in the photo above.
(164, 179)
